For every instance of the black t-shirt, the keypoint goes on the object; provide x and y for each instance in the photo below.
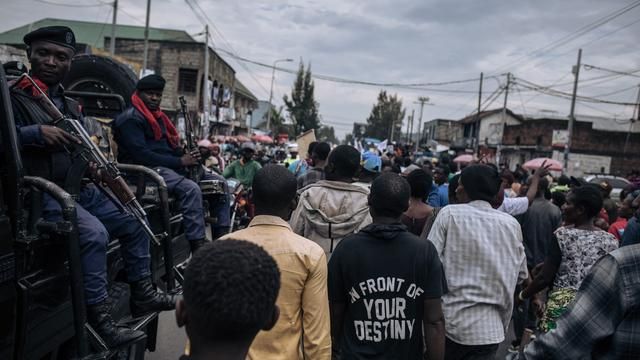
(383, 274)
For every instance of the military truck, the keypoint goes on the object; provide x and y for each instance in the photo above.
(42, 309)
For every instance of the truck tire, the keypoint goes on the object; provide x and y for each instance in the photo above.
(92, 73)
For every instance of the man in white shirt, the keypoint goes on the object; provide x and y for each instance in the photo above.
(483, 257)
(519, 205)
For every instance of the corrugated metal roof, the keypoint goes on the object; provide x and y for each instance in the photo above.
(92, 33)
(239, 87)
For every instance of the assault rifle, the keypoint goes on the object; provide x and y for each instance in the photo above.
(87, 150)
(195, 171)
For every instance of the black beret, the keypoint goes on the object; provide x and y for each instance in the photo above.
(59, 35)
(151, 82)
(481, 182)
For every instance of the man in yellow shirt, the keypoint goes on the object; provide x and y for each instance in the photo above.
(303, 329)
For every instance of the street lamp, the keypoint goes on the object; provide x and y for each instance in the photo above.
(273, 76)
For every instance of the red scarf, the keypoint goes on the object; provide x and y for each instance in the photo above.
(172, 133)
(25, 84)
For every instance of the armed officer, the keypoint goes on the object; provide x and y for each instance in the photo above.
(50, 50)
(146, 136)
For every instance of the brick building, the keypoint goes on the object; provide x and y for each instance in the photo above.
(599, 145)
(175, 55)
(442, 131)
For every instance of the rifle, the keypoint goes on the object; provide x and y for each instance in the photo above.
(87, 150)
(195, 170)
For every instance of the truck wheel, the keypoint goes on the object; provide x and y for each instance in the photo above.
(92, 73)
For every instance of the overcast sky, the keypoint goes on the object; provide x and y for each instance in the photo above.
(401, 41)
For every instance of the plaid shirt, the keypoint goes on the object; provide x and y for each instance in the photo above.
(604, 319)
(312, 176)
(483, 257)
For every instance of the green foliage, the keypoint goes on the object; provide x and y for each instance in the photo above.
(348, 140)
(387, 112)
(301, 106)
(278, 124)
(326, 134)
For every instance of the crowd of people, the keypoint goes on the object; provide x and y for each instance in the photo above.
(383, 257)
(355, 255)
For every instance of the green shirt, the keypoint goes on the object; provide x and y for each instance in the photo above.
(243, 172)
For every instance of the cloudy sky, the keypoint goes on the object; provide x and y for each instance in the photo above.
(405, 42)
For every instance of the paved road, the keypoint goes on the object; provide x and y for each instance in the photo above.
(171, 340)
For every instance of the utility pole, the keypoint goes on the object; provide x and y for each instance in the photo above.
(146, 37)
(504, 120)
(634, 118)
(567, 146)
(112, 43)
(410, 124)
(476, 125)
(206, 92)
(421, 100)
(273, 77)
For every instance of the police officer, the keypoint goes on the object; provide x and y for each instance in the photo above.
(146, 136)
(50, 50)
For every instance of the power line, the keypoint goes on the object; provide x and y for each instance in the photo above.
(412, 86)
(207, 20)
(617, 91)
(572, 36)
(76, 5)
(617, 72)
(583, 45)
(556, 93)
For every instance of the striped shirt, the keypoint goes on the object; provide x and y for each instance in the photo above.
(483, 257)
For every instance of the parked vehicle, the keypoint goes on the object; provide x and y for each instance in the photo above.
(617, 183)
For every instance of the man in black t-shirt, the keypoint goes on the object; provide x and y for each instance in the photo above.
(385, 284)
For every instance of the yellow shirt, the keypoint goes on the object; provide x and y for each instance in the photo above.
(303, 326)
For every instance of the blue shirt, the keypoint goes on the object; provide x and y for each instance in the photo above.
(631, 233)
(439, 195)
(294, 166)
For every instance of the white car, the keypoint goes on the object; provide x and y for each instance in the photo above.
(617, 183)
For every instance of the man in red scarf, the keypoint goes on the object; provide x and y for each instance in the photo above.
(146, 136)
(50, 50)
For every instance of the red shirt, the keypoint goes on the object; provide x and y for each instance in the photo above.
(617, 228)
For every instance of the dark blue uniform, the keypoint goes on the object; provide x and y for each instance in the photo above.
(137, 145)
(98, 217)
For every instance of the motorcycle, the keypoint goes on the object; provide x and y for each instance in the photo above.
(242, 209)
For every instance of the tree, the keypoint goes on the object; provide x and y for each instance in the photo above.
(387, 112)
(348, 140)
(302, 107)
(278, 122)
(326, 134)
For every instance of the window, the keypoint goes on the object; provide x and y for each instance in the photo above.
(187, 81)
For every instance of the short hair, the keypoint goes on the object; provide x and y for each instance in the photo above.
(420, 183)
(444, 169)
(389, 195)
(543, 184)
(274, 187)
(312, 145)
(559, 198)
(589, 197)
(345, 160)
(481, 182)
(321, 151)
(230, 290)
(508, 176)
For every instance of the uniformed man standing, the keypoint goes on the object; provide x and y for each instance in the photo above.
(146, 136)
(50, 50)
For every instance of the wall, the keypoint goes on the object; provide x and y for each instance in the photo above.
(491, 128)
(607, 146)
(167, 57)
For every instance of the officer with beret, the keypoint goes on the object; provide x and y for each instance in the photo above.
(50, 50)
(146, 136)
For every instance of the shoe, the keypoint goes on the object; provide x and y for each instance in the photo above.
(196, 244)
(99, 317)
(145, 299)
